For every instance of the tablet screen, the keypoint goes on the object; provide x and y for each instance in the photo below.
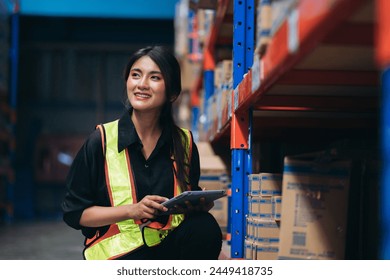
(193, 197)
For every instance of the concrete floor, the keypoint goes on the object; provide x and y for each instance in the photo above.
(47, 240)
(42, 240)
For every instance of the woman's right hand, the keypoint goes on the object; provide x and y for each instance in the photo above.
(148, 207)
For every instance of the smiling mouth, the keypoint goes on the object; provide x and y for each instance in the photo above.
(142, 95)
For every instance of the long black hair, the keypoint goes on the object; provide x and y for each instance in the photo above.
(171, 73)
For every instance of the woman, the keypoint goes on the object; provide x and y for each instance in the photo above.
(128, 167)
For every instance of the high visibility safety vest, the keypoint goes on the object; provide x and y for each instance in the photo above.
(126, 236)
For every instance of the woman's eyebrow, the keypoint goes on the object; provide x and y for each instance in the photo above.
(151, 72)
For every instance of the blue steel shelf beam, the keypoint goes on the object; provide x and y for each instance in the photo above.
(383, 61)
(243, 44)
(249, 51)
(385, 194)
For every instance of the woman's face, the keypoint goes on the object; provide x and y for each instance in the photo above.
(145, 85)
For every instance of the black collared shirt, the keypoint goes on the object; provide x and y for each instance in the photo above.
(86, 183)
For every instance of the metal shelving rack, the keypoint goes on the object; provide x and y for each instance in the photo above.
(310, 28)
(315, 48)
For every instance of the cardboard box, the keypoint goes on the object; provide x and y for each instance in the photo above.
(226, 66)
(250, 230)
(248, 250)
(281, 9)
(213, 173)
(220, 212)
(254, 206)
(266, 231)
(260, 251)
(265, 207)
(205, 149)
(276, 202)
(264, 251)
(314, 207)
(205, 22)
(209, 162)
(181, 28)
(263, 26)
(270, 184)
(189, 70)
(260, 207)
(254, 184)
(213, 176)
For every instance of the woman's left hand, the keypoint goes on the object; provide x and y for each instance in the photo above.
(189, 208)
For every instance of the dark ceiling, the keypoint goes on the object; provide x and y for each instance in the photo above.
(84, 30)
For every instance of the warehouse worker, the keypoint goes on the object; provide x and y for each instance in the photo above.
(128, 167)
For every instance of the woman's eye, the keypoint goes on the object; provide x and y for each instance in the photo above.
(134, 74)
(156, 78)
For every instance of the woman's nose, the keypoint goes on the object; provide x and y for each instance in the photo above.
(143, 83)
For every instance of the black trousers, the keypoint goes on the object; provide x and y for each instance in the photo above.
(198, 237)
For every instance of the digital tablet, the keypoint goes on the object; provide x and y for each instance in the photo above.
(193, 197)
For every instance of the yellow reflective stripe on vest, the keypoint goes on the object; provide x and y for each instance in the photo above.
(114, 246)
(127, 235)
(188, 149)
(117, 167)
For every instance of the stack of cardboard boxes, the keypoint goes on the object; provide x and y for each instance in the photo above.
(223, 76)
(213, 176)
(310, 222)
(269, 16)
(315, 207)
(205, 20)
(262, 239)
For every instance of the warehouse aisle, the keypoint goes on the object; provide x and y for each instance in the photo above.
(48, 240)
(43, 240)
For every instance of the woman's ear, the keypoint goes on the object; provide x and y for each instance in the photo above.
(173, 98)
